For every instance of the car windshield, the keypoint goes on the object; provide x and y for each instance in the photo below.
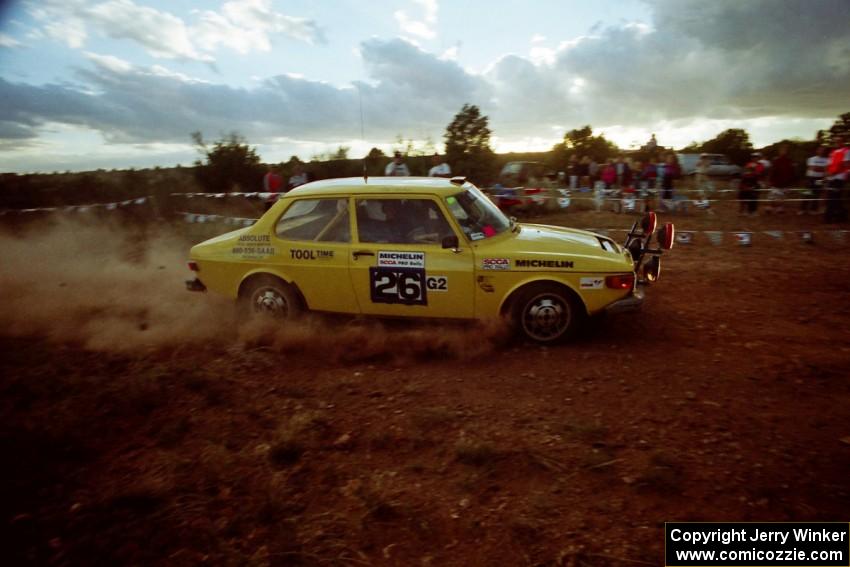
(477, 215)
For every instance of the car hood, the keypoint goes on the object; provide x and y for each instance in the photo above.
(584, 249)
(558, 236)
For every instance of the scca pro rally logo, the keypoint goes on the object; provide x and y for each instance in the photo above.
(401, 259)
(495, 264)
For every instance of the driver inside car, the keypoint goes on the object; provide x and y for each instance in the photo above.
(381, 221)
(401, 221)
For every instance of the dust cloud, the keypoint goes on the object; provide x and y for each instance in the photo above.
(108, 287)
(105, 287)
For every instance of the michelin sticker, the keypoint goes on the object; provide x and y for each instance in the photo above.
(401, 259)
(591, 283)
(495, 264)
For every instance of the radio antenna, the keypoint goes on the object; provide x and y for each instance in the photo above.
(362, 136)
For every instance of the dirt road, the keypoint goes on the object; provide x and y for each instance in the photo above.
(725, 399)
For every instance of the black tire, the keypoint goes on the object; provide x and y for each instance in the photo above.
(270, 297)
(547, 313)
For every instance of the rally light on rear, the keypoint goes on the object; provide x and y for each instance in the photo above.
(625, 281)
(193, 266)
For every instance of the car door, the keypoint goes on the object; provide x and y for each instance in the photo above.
(314, 238)
(398, 265)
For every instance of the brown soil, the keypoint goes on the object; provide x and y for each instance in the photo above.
(356, 444)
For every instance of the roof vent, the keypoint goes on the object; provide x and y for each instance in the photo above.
(458, 180)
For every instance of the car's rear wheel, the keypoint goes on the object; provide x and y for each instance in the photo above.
(547, 313)
(271, 297)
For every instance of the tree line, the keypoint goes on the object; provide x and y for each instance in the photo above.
(468, 151)
(232, 164)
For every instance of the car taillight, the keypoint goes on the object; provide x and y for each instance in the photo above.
(626, 281)
(193, 266)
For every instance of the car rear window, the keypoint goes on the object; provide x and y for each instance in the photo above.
(321, 220)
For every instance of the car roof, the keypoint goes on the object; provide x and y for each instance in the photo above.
(378, 185)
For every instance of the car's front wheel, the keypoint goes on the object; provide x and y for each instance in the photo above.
(271, 297)
(547, 313)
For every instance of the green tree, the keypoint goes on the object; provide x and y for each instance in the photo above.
(375, 154)
(734, 143)
(582, 142)
(468, 149)
(341, 152)
(558, 157)
(841, 127)
(229, 163)
(293, 161)
(428, 147)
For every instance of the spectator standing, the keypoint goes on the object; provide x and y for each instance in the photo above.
(638, 180)
(837, 171)
(764, 170)
(298, 177)
(573, 171)
(583, 169)
(650, 177)
(748, 188)
(652, 145)
(701, 174)
(765, 163)
(609, 175)
(650, 173)
(781, 176)
(671, 172)
(624, 173)
(272, 182)
(397, 167)
(439, 168)
(815, 173)
(593, 171)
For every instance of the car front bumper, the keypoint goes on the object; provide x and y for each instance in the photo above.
(631, 302)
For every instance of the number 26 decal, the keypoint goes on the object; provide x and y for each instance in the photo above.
(398, 285)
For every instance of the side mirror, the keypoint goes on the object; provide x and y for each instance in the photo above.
(450, 241)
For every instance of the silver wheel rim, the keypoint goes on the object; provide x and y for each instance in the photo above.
(269, 301)
(546, 317)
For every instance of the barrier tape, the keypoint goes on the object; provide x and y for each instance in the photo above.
(542, 197)
(742, 237)
(253, 195)
(81, 208)
(206, 218)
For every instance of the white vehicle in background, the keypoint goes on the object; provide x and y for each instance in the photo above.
(719, 165)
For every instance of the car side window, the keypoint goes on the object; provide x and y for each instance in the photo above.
(319, 220)
(401, 221)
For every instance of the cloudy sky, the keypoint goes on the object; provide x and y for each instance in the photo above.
(118, 83)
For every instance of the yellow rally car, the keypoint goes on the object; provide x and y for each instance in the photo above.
(425, 247)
